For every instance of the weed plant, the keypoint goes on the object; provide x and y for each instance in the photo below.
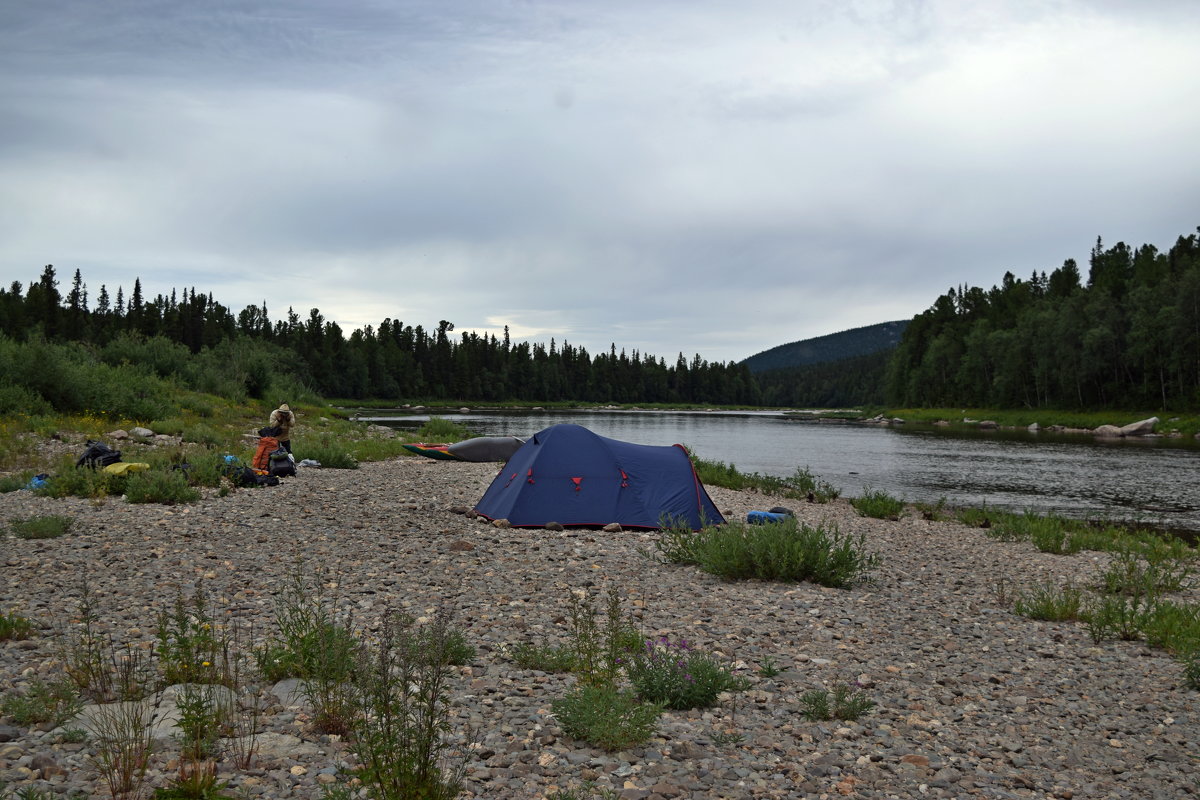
(608, 717)
(440, 429)
(877, 504)
(1116, 617)
(49, 526)
(15, 482)
(543, 657)
(14, 626)
(311, 644)
(776, 551)
(54, 702)
(157, 486)
(1147, 574)
(678, 676)
(1191, 669)
(600, 641)
(844, 702)
(191, 648)
(1051, 603)
(400, 714)
(123, 737)
(934, 512)
(802, 484)
(768, 668)
(1174, 627)
(331, 451)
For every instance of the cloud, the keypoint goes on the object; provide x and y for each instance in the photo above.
(663, 176)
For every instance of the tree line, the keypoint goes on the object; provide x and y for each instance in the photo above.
(1126, 337)
(391, 361)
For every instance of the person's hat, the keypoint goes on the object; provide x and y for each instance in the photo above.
(284, 407)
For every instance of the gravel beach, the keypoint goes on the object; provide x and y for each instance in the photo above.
(972, 699)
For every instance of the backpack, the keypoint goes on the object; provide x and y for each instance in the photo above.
(262, 454)
(98, 454)
(280, 463)
(251, 478)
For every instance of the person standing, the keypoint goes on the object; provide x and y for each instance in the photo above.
(284, 419)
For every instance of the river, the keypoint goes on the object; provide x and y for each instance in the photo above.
(1150, 481)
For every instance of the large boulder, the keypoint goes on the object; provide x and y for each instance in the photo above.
(1143, 428)
(1108, 432)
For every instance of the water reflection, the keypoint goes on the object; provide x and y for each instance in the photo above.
(1152, 481)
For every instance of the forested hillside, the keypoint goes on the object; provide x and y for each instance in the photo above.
(1127, 337)
(832, 347)
(391, 361)
(850, 382)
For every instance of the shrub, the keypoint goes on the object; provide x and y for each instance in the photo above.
(330, 452)
(438, 429)
(777, 551)
(1175, 627)
(12, 483)
(877, 504)
(1052, 603)
(157, 486)
(399, 717)
(190, 648)
(600, 646)
(50, 526)
(610, 718)
(14, 626)
(676, 675)
(804, 484)
(1116, 617)
(54, 702)
(1133, 575)
(843, 703)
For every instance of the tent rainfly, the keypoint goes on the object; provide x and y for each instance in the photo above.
(570, 475)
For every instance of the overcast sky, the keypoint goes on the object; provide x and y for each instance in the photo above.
(713, 178)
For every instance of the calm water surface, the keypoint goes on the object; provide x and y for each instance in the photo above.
(1151, 481)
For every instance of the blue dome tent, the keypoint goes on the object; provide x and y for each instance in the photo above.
(570, 475)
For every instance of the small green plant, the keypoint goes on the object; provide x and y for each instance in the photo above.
(190, 647)
(877, 504)
(934, 512)
(55, 702)
(776, 551)
(102, 669)
(167, 487)
(14, 626)
(724, 738)
(12, 483)
(50, 526)
(311, 644)
(678, 676)
(399, 718)
(200, 721)
(768, 668)
(805, 485)
(543, 657)
(1191, 669)
(456, 649)
(976, 517)
(1116, 616)
(123, 737)
(608, 717)
(1173, 626)
(1052, 603)
(1147, 573)
(586, 790)
(440, 429)
(844, 702)
(600, 641)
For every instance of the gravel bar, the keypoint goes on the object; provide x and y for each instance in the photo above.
(972, 699)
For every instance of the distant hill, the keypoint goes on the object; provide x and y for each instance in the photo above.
(832, 347)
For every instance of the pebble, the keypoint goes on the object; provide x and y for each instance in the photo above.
(972, 700)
